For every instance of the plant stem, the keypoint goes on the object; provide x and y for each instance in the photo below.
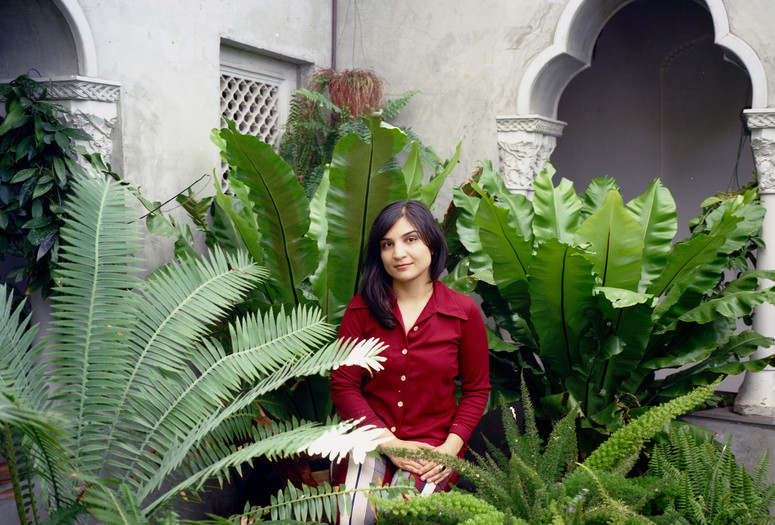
(8, 452)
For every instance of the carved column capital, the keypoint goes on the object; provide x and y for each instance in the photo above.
(525, 143)
(761, 123)
(93, 106)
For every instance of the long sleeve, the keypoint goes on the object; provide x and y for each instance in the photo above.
(474, 374)
(347, 381)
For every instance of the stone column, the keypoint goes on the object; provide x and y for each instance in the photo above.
(525, 143)
(757, 393)
(93, 106)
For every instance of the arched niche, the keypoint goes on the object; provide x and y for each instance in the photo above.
(527, 138)
(46, 38)
(574, 39)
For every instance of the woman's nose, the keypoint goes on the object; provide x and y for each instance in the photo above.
(398, 251)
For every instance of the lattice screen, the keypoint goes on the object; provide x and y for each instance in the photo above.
(252, 105)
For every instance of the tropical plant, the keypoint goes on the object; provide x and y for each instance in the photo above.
(38, 159)
(713, 488)
(331, 105)
(601, 294)
(312, 249)
(537, 482)
(145, 403)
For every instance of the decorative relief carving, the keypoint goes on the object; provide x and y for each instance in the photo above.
(99, 127)
(93, 108)
(764, 154)
(82, 90)
(541, 125)
(520, 162)
(760, 119)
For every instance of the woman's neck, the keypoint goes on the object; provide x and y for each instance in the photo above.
(412, 291)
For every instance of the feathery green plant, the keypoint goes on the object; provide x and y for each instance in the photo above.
(142, 393)
(537, 481)
(619, 452)
(444, 508)
(714, 489)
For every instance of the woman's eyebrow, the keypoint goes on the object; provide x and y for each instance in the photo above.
(403, 235)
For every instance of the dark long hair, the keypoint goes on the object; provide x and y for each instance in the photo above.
(376, 284)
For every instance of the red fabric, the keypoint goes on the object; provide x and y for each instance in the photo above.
(448, 341)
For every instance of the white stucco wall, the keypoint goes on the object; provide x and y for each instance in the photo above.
(166, 57)
(464, 56)
(468, 57)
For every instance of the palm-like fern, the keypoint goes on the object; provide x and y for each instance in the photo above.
(142, 394)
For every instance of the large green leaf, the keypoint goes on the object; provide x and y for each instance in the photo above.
(561, 284)
(430, 191)
(318, 230)
(726, 359)
(655, 211)
(519, 206)
(732, 305)
(510, 254)
(556, 209)
(467, 205)
(691, 342)
(595, 195)
(615, 243)
(281, 211)
(361, 185)
(752, 217)
(692, 268)
(413, 172)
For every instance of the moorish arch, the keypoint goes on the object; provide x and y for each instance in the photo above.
(527, 139)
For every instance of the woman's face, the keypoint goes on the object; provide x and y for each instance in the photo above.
(405, 256)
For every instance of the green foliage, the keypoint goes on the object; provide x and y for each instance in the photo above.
(536, 481)
(318, 503)
(142, 392)
(313, 249)
(39, 157)
(619, 452)
(321, 115)
(600, 293)
(713, 488)
(446, 508)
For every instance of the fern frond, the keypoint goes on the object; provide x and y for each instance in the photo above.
(332, 355)
(451, 508)
(394, 106)
(94, 308)
(528, 445)
(318, 503)
(630, 439)
(19, 374)
(282, 439)
(561, 452)
(175, 307)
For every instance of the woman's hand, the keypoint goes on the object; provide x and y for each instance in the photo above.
(410, 465)
(433, 472)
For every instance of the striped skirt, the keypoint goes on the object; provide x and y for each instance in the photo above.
(381, 472)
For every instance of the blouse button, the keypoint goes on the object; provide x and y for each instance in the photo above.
(400, 403)
(415, 328)
(403, 378)
(404, 351)
(392, 429)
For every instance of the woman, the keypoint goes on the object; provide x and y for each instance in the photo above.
(434, 336)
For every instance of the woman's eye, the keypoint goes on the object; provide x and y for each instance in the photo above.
(411, 239)
(386, 245)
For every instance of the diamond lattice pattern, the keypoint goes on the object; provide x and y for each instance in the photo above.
(252, 105)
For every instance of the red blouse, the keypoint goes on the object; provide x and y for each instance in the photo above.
(414, 395)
